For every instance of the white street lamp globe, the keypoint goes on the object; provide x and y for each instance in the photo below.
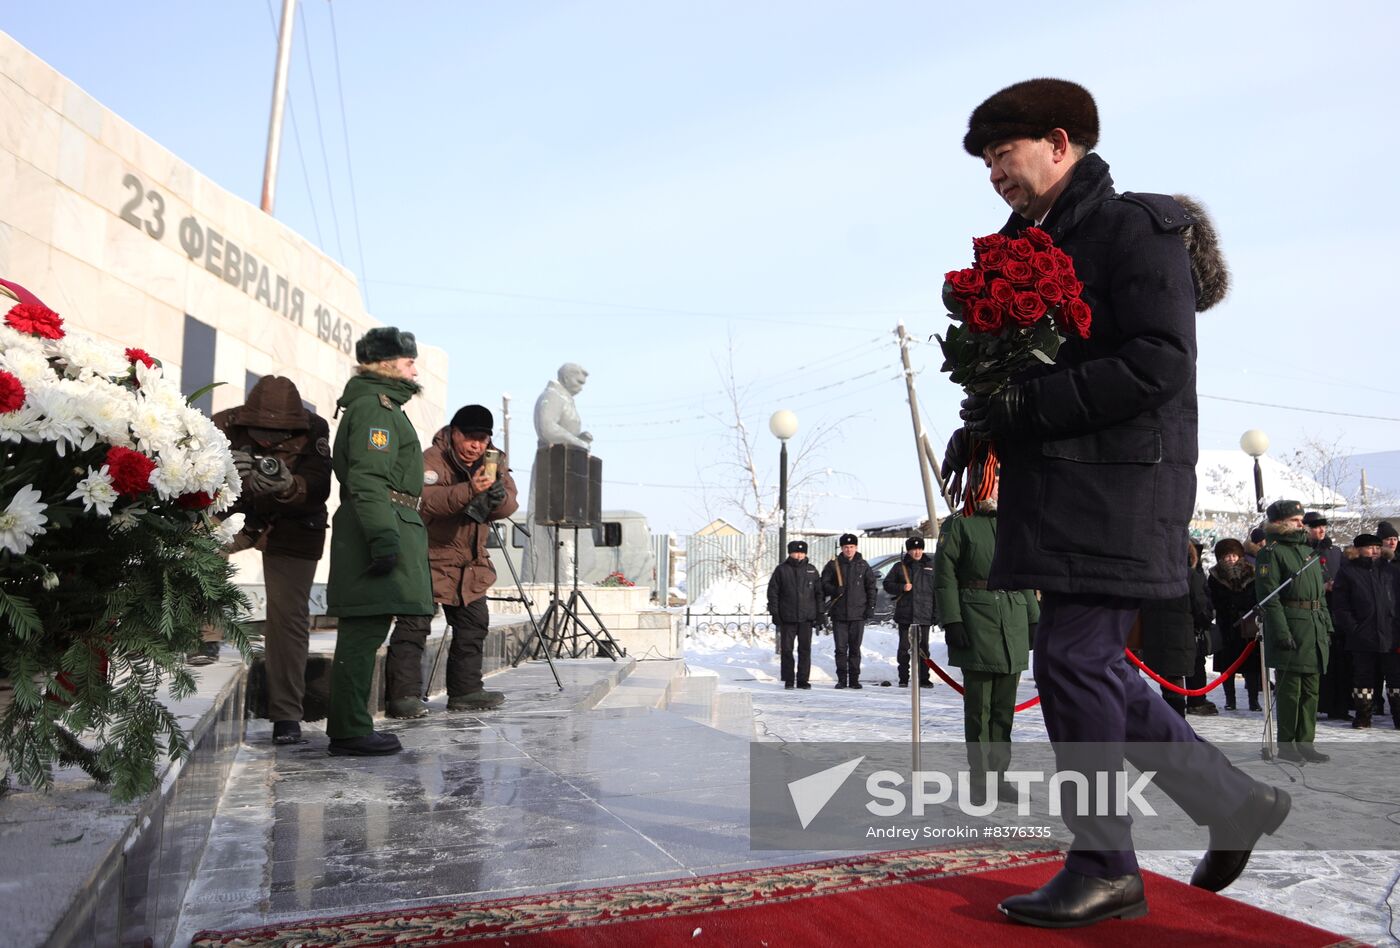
(783, 424)
(1254, 442)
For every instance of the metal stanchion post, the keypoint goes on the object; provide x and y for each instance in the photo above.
(916, 670)
(1270, 749)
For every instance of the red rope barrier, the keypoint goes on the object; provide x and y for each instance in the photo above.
(960, 689)
(1193, 692)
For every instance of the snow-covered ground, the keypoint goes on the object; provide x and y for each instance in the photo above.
(1351, 893)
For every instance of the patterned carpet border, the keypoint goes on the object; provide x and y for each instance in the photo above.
(553, 911)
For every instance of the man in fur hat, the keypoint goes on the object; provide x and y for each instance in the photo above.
(1098, 456)
(795, 605)
(1366, 607)
(283, 455)
(851, 585)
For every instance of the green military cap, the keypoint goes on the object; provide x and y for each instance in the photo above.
(384, 343)
(1283, 509)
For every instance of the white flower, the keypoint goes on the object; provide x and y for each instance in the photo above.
(107, 409)
(58, 416)
(11, 339)
(21, 424)
(30, 366)
(154, 427)
(50, 580)
(22, 520)
(84, 357)
(225, 530)
(174, 475)
(96, 491)
(124, 519)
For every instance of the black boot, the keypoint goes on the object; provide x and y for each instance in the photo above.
(1254, 701)
(1071, 900)
(373, 744)
(1231, 841)
(1361, 701)
(1229, 689)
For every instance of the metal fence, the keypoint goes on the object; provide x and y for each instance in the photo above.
(712, 559)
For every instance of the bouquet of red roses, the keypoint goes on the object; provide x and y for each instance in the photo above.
(1015, 300)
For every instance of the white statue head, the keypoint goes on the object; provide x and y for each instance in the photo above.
(572, 376)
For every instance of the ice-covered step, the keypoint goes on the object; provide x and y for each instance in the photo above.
(647, 686)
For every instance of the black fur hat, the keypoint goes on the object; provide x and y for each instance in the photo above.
(1030, 109)
(914, 543)
(848, 538)
(1385, 529)
(383, 343)
(473, 418)
(1284, 510)
(797, 546)
(1366, 539)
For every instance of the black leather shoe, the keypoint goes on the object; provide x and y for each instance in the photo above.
(287, 732)
(788, 686)
(1312, 755)
(925, 683)
(1289, 752)
(373, 744)
(1071, 900)
(856, 685)
(840, 685)
(805, 686)
(1231, 843)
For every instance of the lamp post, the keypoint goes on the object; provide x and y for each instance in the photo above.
(1254, 443)
(783, 424)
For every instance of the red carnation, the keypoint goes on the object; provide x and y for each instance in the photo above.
(196, 501)
(1049, 289)
(1038, 238)
(1027, 308)
(1002, 291)
(130, 471)
(11, 393)
(1075, 314)
(36, 320)
(985, 316)
(1020, 249)
(967, 282)
(1018, 272)
(140, 355)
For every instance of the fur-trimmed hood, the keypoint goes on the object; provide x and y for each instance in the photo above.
(1209, 272)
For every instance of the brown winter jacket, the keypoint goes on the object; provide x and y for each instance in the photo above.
(461, 567)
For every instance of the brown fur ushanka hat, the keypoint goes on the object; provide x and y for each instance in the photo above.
(1030, 109)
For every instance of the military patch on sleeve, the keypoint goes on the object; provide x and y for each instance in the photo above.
(323, 447)
(379, 439)
(1263, 569)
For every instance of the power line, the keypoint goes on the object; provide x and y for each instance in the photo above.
(1312, 411)
(320, 132)
(296, 135)
(349, 165)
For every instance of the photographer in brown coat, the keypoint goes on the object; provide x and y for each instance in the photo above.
(466, 486)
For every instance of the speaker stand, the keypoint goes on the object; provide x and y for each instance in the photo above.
(563, 619)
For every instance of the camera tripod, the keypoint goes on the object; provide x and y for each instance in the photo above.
(563, 619)
(525, 601)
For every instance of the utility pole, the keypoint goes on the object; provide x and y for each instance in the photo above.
(505, 423)
(279, 99)
(920, 439)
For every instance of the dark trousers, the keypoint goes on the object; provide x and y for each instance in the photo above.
(357, 641)
(404, 665)
(847, 636)
(288, 582)
(1197, 678)
(1093, 699)
(902, 655)
(1334, 690)
(800, 634)
(1372, 671)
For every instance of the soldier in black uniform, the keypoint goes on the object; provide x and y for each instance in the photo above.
(911, 582)
(283, 453)
(851, 585)
(795, 603)
(1365, 600)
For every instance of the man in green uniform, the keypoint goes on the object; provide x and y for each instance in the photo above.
(379, 547)
(1297, 627)
(989, 637)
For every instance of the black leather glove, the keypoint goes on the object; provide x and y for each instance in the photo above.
(955, 633)
(496, 494)
(244, 462)
(279, 481)
(383, 565)
(955, 459)
(479, 507)
(988, 416)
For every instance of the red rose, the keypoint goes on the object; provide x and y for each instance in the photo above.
(980, 244)
(130, 471)
(1039, 239)
(140, 355)
(1002, 291)
(1063, 261)
(992, 258)
(1069, 283)
(1020, 249)
(1044, 263)
(1027, 308)
(1018, 272)
(36, 320)
(1049, 289)
(11, 393)
(985, 316)
(1075, 315)
(967, 282)
(196, 501)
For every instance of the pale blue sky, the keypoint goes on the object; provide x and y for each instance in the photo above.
(629, 184)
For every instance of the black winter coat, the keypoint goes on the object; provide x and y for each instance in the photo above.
(1232, 595)
(1098, 487)
(1364, 602)
(853, 597)
(1169, 628)
(795, 592)
(918, 606)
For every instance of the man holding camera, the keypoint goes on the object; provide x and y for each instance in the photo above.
(283, 454)
(466, 486)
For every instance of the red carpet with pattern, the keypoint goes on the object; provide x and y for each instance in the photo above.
(933, 897)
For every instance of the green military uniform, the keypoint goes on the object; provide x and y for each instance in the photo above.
(1297, 630)
(379, 463)
(998, 626)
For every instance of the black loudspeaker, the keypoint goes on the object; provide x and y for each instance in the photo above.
(607, 534)
(568, 487)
